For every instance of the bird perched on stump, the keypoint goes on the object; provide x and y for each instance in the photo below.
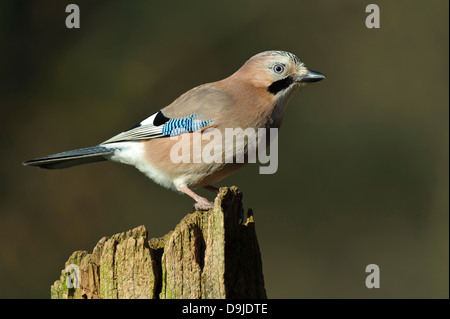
(255, 96)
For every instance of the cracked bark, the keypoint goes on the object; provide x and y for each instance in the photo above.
(210, 254)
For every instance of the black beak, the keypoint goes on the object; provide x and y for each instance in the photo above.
(312, 76)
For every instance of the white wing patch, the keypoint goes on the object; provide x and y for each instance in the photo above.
(146, 129)
(149, 120)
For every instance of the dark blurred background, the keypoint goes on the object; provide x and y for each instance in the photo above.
(363, 156)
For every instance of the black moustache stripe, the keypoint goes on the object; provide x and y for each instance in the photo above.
(280, 85)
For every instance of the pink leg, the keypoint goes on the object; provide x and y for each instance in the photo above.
(202, 203)
(211, 188)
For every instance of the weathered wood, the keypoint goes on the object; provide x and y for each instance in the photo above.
(209, 254)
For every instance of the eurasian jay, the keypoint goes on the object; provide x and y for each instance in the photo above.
(255, 96)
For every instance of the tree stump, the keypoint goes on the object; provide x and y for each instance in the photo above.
(209, 255)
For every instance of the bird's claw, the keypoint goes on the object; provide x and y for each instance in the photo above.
(203, 204)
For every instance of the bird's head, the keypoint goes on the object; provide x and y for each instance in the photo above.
(278, 72)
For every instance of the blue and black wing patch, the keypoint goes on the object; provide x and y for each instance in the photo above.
(159, 125)
(191, 123)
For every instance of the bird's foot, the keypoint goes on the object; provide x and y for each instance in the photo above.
(203, 204)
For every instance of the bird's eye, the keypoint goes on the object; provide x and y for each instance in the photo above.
(278, 68)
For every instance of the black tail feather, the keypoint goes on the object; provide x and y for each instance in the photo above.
(71, 158)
